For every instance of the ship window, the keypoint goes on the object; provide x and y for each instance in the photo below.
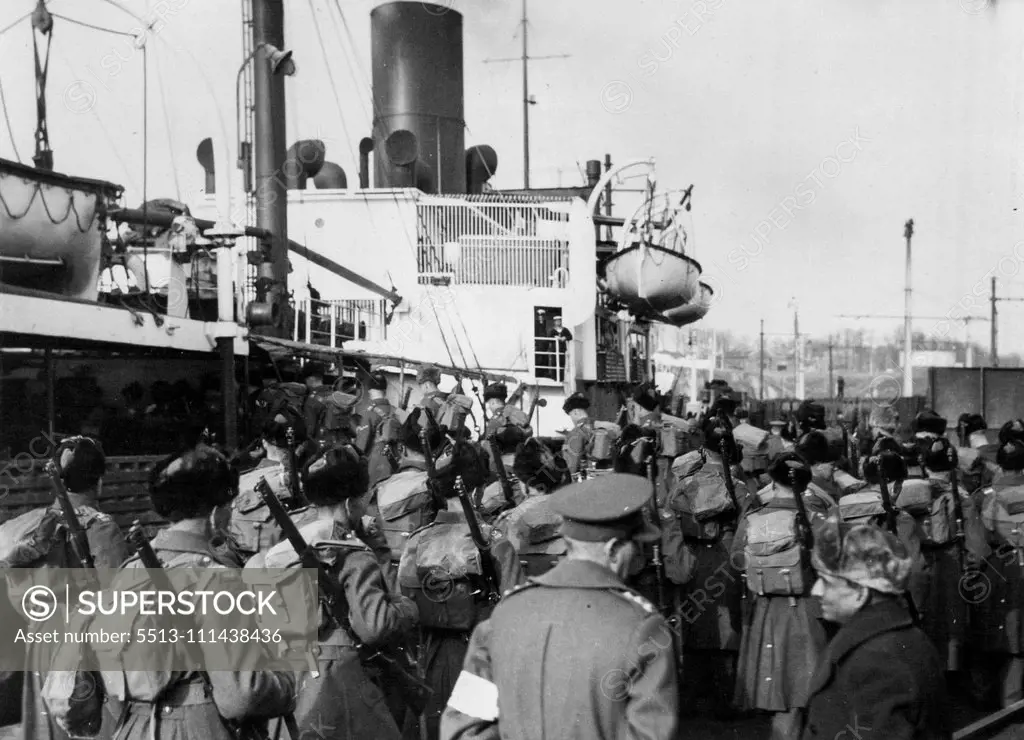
(552, 341)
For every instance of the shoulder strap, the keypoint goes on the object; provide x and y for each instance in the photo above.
(519, 589)
(634, 598)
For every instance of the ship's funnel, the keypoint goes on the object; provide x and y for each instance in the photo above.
(593, 172)
(418, 87)
(304, 160)
(204, 153)
(481, 164)
(331, 177)
(365, 147)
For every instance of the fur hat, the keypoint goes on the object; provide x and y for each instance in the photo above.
(1011, 455)
(428, 374)
(1013, 429)
(866, 555)
(497, 391)
(82, 463)
(468, 459)
(970, 423)
(929, 422)
(536, 465)
(576, 401)
(789, 466)
(886, 444)
(940, 455)
(412, 428)
(814, 448)
(192, 483)
(275, 428)
(891, 464)
(713, 431)
(335, 474)
(811, 415)
(646, 397)
(377, 381)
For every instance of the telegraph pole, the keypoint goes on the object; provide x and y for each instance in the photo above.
(528, 100)
(994, 348)
(761, 366)
(908, 360)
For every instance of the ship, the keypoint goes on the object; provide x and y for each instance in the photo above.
(106, 306)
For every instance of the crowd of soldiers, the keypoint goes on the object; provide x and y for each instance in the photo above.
(607, 584)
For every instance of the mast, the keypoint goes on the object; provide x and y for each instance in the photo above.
(270, 150)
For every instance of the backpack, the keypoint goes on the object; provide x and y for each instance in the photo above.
(453, 412)
(931, 506)
(251, 527)
(777, 563)
(30, 538)
(1003, 515)
(860, 506)
(706, 492)
(333, 418)
(602, 446)
(440, 571)
(281, 397)
(404, 502)
(534, 529)
(378, 439)
(674, 441)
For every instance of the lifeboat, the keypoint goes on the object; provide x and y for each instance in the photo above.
(691, 312)
(52, 229)
(651, 277)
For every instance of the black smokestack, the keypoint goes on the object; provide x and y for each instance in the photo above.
(418, 88)
(204, 153)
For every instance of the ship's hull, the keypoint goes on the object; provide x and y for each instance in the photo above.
(51, 230)
(647, 277)
(691, 312)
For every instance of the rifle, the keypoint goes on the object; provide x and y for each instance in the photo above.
(399, 666)
(404, 405)
(891, 525)
(656, 560)
(293, 473)
(958, 510)
(162, 582)
(726, 449)
(517, 394)
(79, 539)
(482, 545)
(506, 484)
(806, 533)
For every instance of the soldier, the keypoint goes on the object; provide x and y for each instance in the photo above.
(428, 377)
(827, 476)
(580, 438)
(39, 539)
(977, 456)
(532, 669)
(509, 423)
(532, 526)
(247, 522)
(706, 509)
(952, 540)
(345, 699)
(445, 573)
(782, 637)
(879, 674)
(378, 436)
(777, 444)
(997, 589)
(185, 489)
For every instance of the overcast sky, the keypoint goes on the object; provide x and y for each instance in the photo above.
(811, 129)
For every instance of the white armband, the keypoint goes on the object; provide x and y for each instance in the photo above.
(475, 697)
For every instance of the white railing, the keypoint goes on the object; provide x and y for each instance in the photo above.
(331, 322)
(551, 358)
(521, 244)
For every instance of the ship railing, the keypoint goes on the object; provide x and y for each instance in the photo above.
(553, 358)
(330, 323)
(492, 243)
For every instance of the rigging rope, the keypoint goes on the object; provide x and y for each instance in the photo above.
(90, 25)
(7, 118)
(167, 125)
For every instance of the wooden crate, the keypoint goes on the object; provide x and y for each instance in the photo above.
(123, 491)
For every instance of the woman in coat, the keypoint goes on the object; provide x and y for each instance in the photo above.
(783, 635)
(184, 704)
(346, 700)
(880, 676)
